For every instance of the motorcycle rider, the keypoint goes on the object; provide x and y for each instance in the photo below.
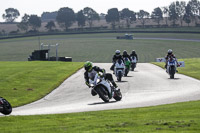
(133, 53)
(168, 56)
(125, 55)
(90, 72)
(116, 57)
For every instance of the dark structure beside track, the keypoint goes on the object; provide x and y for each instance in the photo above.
(43, 55)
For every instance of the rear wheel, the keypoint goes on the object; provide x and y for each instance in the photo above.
(103, 93)
(117, 95)
(7, 108)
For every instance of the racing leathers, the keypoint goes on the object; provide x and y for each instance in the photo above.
(114, 59)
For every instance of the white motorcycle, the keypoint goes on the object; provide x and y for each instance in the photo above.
(133, 63)
(171, 67)
(119, 69)
(104, 89)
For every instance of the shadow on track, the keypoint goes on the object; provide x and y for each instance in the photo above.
(174, 78)
(121, 81)
(102, 103)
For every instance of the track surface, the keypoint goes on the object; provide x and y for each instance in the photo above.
(148, 85)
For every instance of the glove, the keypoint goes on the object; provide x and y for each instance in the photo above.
(178, 65)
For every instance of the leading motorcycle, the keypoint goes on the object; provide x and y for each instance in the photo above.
(5, 107)
(119, 69)
(104, 89)
(171, 67)
(133, 63)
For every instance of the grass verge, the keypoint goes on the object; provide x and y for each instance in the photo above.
(25, 82)
(192, 67)
(180, 117)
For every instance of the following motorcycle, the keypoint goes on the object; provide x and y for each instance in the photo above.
(127, 66)
(5, 107)
(119, 69)
(104, 89)
(133, 63)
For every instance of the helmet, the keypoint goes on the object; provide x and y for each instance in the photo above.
(117, 52)
(88, 66)
(125, 52)
(133, 51)
(169, 51)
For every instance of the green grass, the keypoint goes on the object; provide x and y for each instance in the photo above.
(25, 82)
(192, 67)
(101, 47)
(180, 117)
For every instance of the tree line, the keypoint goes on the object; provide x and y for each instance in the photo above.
(178, 11)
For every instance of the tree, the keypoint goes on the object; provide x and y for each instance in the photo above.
(35, 22)
(23, 25)
(90, 15)
(157, 15)
(80, 18)
(173, 14)
(180, 6)
(165, 11)
(143, 16)
(128, 15)
(11, 14)
(50, 25)
(112, 17)
(65, 17)
(195, 8)
(188, 14)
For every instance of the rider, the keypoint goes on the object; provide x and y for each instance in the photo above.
(90, 72)
(115, 58)
(125, 55)
(133, 53)
(168, 56)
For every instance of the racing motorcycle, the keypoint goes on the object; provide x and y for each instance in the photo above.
(133, 63)
(171, 67)
(104, 88)
(119, 69)
(127, 66)
(5, 107)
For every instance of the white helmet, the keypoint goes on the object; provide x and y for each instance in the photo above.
(117, 52)
(169, 51)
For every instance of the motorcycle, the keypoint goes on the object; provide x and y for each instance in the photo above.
(5, 107)
(171, 67)
(133, 63)
(127, 66)
(119, 69)
(104, 89)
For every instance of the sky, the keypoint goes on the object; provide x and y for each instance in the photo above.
(100, 6)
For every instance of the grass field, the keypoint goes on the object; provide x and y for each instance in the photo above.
(24, 82)
(180, 117)
(101, 47)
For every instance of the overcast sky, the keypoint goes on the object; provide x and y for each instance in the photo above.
(100, 6)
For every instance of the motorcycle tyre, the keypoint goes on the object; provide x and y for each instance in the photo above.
(102, 94)
(118, 95)
(7, 108)
(172, 72)
(119, 77)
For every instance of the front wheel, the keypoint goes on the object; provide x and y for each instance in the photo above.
(172, 72)
(7, 108)
(119, 76)
(103, 93)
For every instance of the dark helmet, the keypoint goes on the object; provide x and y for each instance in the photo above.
(133, 52)
(124, 52)
(88, 66)
(117, 53)
(169, 51)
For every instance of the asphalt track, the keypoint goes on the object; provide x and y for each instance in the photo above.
(148, 85)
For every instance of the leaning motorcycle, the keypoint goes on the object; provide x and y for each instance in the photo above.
(104, 89)
(119, 69)
(171, 67)
(133, 63)
(127, 66)
(5, 107)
